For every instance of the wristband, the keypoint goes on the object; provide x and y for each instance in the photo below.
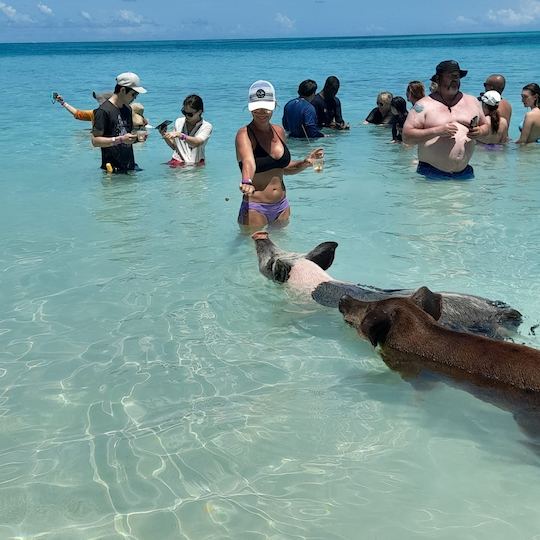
(247, 181)
(183, 136)
(63, 103)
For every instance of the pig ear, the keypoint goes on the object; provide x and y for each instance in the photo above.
(281, 271)
(376, 325)
(429, 301)
(323, 254)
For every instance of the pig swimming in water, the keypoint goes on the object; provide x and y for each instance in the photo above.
(307, 272)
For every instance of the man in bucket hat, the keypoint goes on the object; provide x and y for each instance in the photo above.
(113, 125)
(445, 125)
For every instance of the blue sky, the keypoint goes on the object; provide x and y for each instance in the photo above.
(101, 20)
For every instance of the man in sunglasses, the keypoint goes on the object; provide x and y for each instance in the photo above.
(113, 125)
(498, 82)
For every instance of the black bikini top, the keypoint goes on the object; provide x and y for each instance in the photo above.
(263, 160)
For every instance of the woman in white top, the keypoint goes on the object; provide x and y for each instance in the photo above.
(190, 135)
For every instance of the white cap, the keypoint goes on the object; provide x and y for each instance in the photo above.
(261, 96)
(130, 80)
(491, 97)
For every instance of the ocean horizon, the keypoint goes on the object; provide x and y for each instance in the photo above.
(375, 37)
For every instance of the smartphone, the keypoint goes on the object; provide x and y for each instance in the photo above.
(474, 122)
(163, 125)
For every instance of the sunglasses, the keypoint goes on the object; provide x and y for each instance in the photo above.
(189, 114)
(380, 103)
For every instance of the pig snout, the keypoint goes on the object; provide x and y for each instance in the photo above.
(260, 235)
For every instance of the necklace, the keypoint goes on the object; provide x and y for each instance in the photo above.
(449, 104)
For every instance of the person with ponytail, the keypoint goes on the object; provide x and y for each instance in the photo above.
(530, 126)
(498, 125)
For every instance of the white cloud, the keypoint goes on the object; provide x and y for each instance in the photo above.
(527, 13)
(130, 17)
(284, 21)
(45, 9)
(86, 15)
(461, 19)
(12, 14)
(375, 29)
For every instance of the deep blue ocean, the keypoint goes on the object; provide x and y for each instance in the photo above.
(154, 385)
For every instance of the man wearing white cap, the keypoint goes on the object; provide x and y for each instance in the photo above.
(445, 125)
(113, 125)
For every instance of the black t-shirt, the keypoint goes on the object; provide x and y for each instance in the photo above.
(328, 110)
(109, 121)
(375, 116)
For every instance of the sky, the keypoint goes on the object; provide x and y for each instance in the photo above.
(121, 20)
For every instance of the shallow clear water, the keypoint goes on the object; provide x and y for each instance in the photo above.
(155, 385)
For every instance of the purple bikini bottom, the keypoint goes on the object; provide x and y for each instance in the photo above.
(270, 211)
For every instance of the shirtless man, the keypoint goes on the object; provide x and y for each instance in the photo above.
(443, 126)
(498, 82)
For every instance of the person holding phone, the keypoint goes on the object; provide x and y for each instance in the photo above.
(81, 114)
(113, 125)
(444, 127)
(190, 135)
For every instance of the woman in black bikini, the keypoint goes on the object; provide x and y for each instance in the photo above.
(264, 158)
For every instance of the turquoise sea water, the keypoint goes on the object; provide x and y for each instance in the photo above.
(154, 385)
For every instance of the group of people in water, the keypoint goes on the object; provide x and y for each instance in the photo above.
(445, 125)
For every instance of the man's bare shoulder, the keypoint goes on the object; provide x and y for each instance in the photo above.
(424, 104)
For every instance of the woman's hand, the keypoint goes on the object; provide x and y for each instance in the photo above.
(318, 153)
(247, 188)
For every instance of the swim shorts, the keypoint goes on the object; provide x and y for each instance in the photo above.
(431, 172)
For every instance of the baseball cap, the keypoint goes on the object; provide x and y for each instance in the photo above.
(449, 65)
(261, 95)
(492, 98)
(130, 80)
